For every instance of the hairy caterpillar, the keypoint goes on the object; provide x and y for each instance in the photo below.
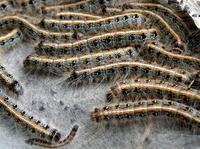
(129, 69)
(64, 64)
(38, 3)
(169, 15)
(47, 144)
(132, 20)
(152, 51)
(89, 6)
(164, 27)
(146, 108)
(133, 90)
(99, 42)
(35, 125)
(8, 80)
(32, 30)
(11, 38)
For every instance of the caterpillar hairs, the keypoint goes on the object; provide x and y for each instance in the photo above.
(8, 80)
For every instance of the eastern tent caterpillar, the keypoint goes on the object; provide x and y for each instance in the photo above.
(163, 26)
(64, 64)
(76, 16)
(130, 69)
(99, 42)
(39, 3)
(169, 15)
(32, 30)
(158, 53)
(27, 120)
(83, 5)
(47, 144)
(11, 38)
(8, 80)
(132, 20)
(146, 108)
(133, 90)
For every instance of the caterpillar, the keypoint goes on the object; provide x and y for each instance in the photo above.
(169, 15)
(160, 22)
(89, 6)
(133, 90)
(47, 144)
(76, 15)
(144, 108)
(35, 6)
(20, 115)
(164, 27)
(11, 38)
(8, 80)
(38, 3)
(118, 3)
(64, 64)
(132, 20)
(153, 51)
(129, 69)
(32, 30)
(99, 42)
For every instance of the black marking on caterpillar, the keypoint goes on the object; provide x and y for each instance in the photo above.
(64, 64)
(32, 30)
(35, 125)
(132, 20)
(143, 108)
(47, 144)
(4, 6)
(11, 38)
(8, 80)
(99, 42)
(133, 90)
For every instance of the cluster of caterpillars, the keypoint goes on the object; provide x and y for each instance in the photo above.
(147, 48)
